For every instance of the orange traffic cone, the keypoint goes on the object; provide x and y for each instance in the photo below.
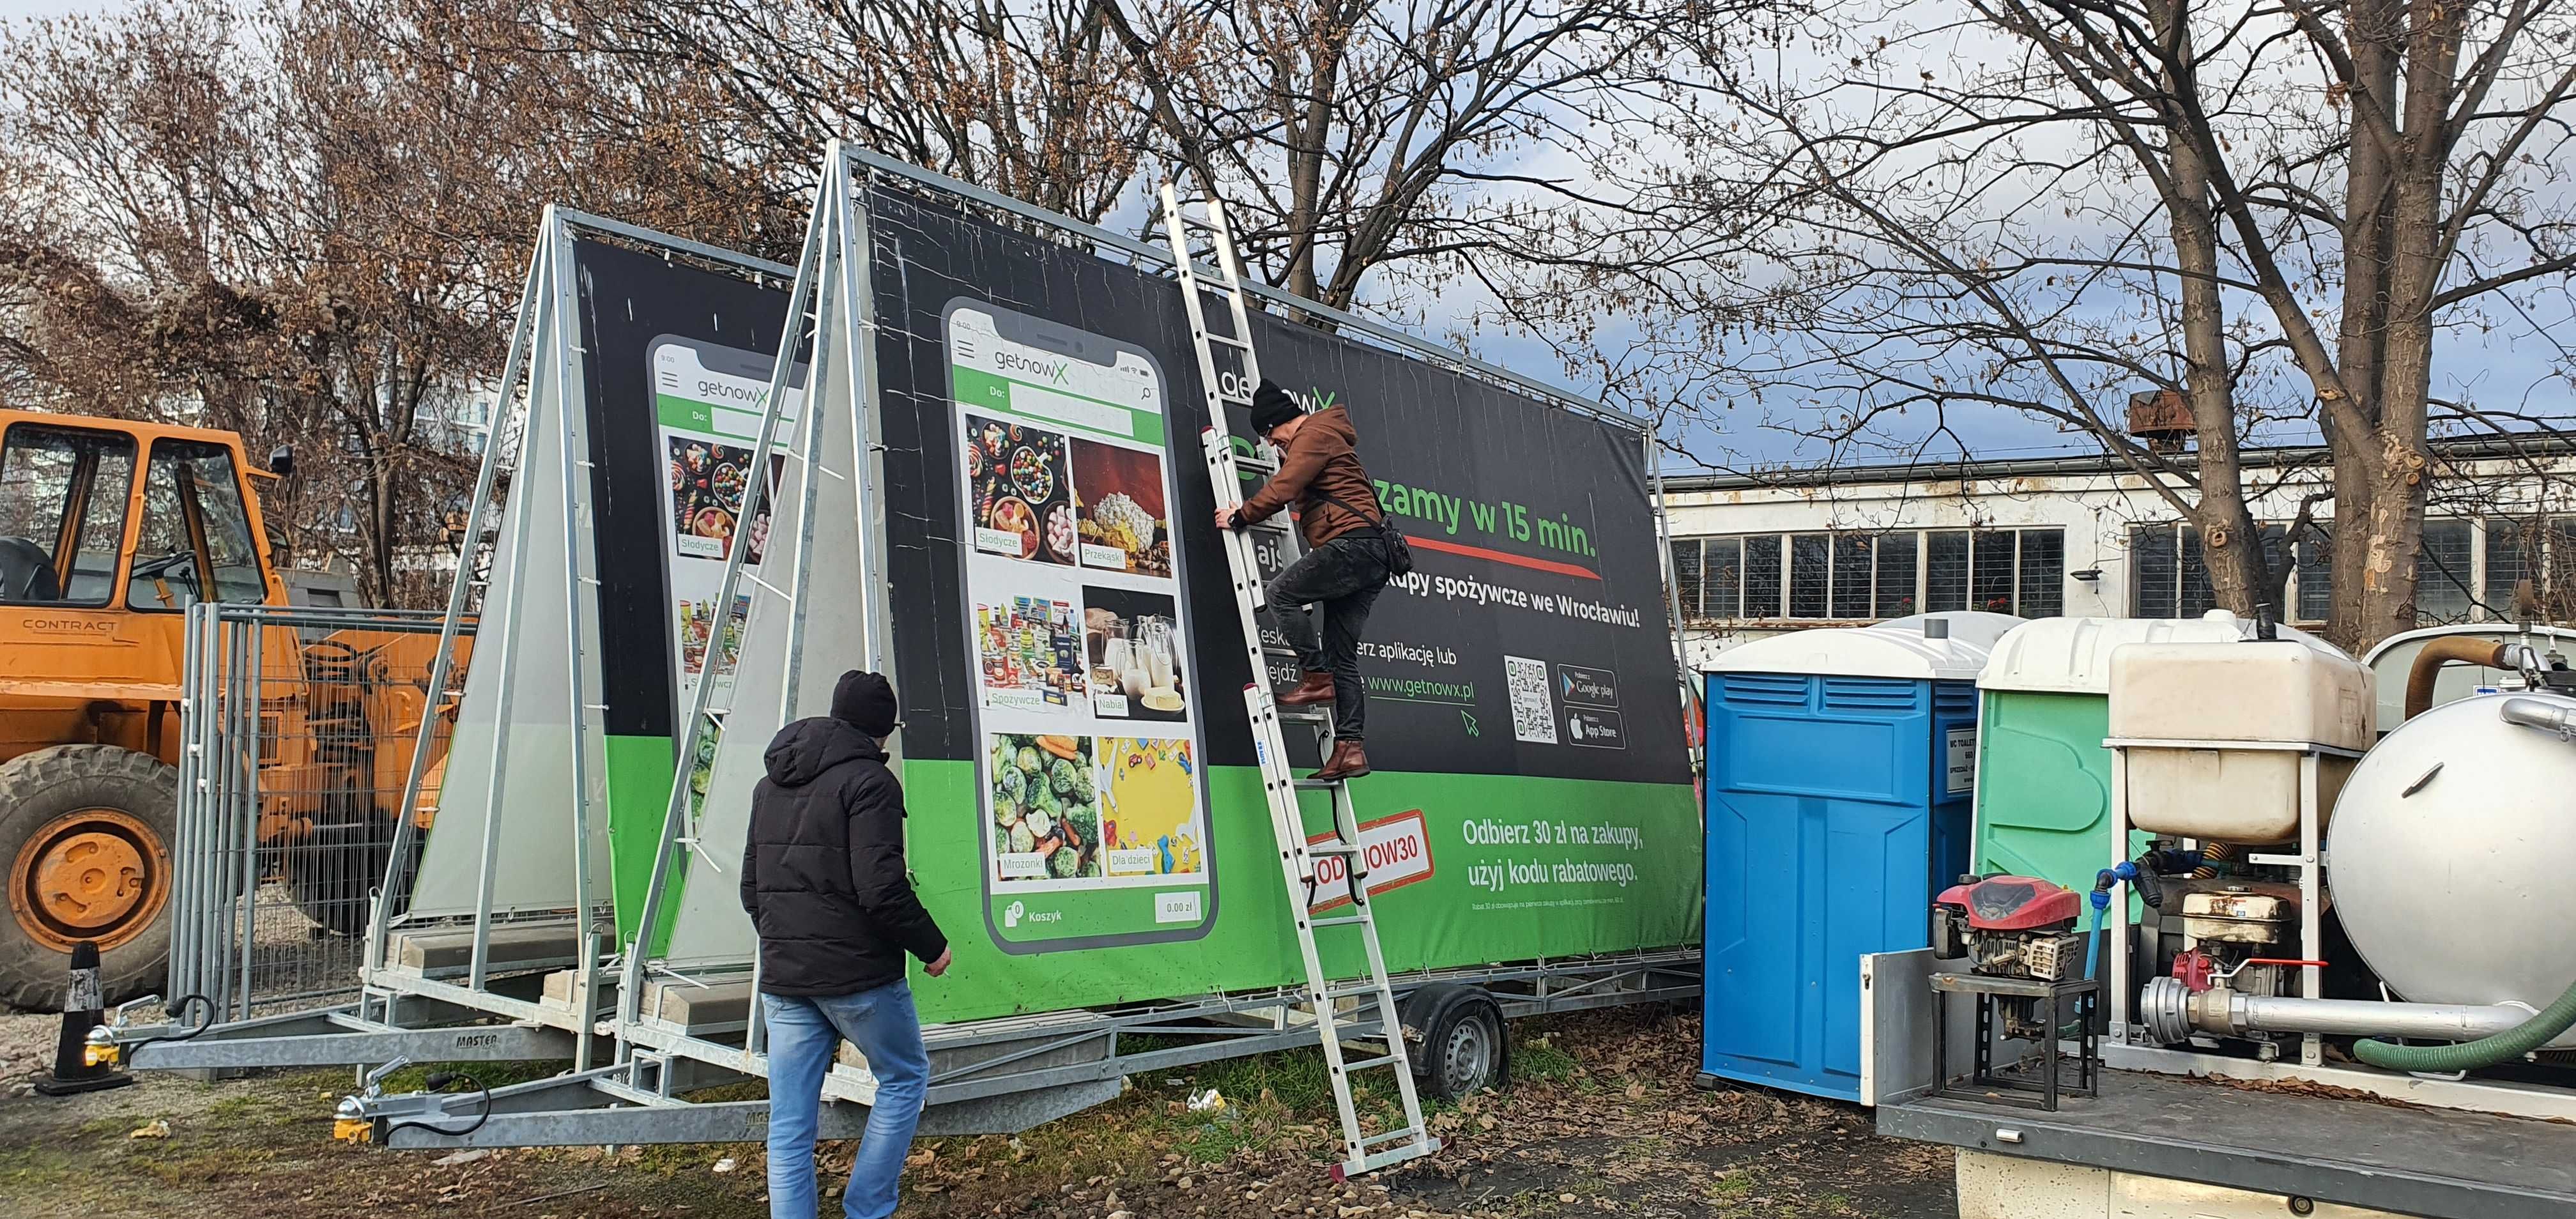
(76, 1069)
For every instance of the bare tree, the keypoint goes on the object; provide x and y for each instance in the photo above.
(2046, 205)
(1440, 136)
(306, 223)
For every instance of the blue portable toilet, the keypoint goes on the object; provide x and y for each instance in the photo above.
(1840, 769)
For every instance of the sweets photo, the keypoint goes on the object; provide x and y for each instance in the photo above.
(1123, 526)
(1018, 495)
(707, 483)
(1026, 649)
(1149, 807)
(1045, 807)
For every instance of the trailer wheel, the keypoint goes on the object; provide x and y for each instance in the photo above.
(86, 832)
(1461, 1048)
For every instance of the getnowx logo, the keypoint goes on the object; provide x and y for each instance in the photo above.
(1059, 372)
(1313, 398)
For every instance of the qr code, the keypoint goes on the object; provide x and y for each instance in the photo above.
(1533, 716)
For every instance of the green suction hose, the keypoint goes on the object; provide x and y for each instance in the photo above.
(2510, 1044)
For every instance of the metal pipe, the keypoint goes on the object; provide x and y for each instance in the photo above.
(2172, 1012)
(2547, 717)
(2438, 652)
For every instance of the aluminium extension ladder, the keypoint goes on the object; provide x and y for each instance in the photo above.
(1229, 371)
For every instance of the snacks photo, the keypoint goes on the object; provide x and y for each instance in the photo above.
(1045, 807)
(1027, 650)
(1018, 493)
(1133, 652)
(1123, 526)
(1149, 807)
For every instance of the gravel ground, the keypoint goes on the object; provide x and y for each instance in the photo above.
(26, 1049)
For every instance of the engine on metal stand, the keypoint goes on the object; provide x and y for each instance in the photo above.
(2012, 927)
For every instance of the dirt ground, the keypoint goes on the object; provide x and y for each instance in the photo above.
(1602, 1119)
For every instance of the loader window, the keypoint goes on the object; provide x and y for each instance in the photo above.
(194, 529)
(63, 493)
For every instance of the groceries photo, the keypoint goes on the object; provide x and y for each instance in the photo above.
(1026, 649)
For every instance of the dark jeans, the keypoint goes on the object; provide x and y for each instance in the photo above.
(1345, 576)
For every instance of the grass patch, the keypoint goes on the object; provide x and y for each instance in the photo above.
(415, 1078)
(1540, 1060)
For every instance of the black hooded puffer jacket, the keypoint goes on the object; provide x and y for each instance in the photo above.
(822, 866)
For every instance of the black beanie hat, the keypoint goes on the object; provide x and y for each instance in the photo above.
(865, 701)
(1271, 406)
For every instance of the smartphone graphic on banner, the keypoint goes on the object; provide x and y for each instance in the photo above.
(708, 401)
(1090, 776)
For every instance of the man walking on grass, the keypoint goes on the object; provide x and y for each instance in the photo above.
(1345, 566)
(824, 879)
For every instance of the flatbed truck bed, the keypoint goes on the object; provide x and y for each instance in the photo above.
(2357, 1151)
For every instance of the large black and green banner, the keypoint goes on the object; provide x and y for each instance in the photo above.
(1087, 822)
(1085, 818)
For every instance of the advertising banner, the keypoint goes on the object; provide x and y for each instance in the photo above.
(1086, 822)
(676, 361)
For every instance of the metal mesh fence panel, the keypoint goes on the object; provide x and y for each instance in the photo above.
(299, 726)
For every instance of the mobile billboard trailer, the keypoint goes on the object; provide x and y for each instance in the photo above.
(1583, 882)
(492, 951)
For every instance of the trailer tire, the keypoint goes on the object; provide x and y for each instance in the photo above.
(85, 832)
(1456, 1039)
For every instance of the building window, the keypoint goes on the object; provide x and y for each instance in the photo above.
(1855, 571)
(2313, 553)
(1809, 573)
(1855, 576)
(2442, 575)
(1762, 576)
(2170, 579)
(2042, 586)
(1945, 570)
(1896, 575)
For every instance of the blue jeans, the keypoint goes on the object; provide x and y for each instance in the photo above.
(804, 1034)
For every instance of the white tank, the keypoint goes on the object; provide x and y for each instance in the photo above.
(2287, 691)
(2452, 856)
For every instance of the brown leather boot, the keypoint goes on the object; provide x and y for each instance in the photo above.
(1316, 688)
(1349, 761)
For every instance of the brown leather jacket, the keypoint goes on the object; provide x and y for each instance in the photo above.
(1321, 459)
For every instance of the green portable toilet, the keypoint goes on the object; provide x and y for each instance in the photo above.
(2043, 791)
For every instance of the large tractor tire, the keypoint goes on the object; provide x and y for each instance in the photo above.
(336, 870)
(85, 831)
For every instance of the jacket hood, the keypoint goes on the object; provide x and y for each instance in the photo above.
(803, 750)
(1337, 420)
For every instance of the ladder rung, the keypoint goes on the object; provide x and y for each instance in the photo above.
(1316, 785)
(1371, 1064)
(1350, 992)
(1331, 848)
(1228, 340)
(1380, 1140)
(1347, 920)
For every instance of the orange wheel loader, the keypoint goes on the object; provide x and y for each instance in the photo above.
(109, 531)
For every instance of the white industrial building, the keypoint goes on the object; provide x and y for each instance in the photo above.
(1759, 554)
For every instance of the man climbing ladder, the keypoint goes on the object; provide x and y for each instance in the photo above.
(1344, 568)
(1321, 475)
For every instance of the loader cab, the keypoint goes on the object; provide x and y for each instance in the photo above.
(110, 517)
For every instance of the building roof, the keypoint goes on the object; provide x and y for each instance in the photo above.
(2460, 448)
